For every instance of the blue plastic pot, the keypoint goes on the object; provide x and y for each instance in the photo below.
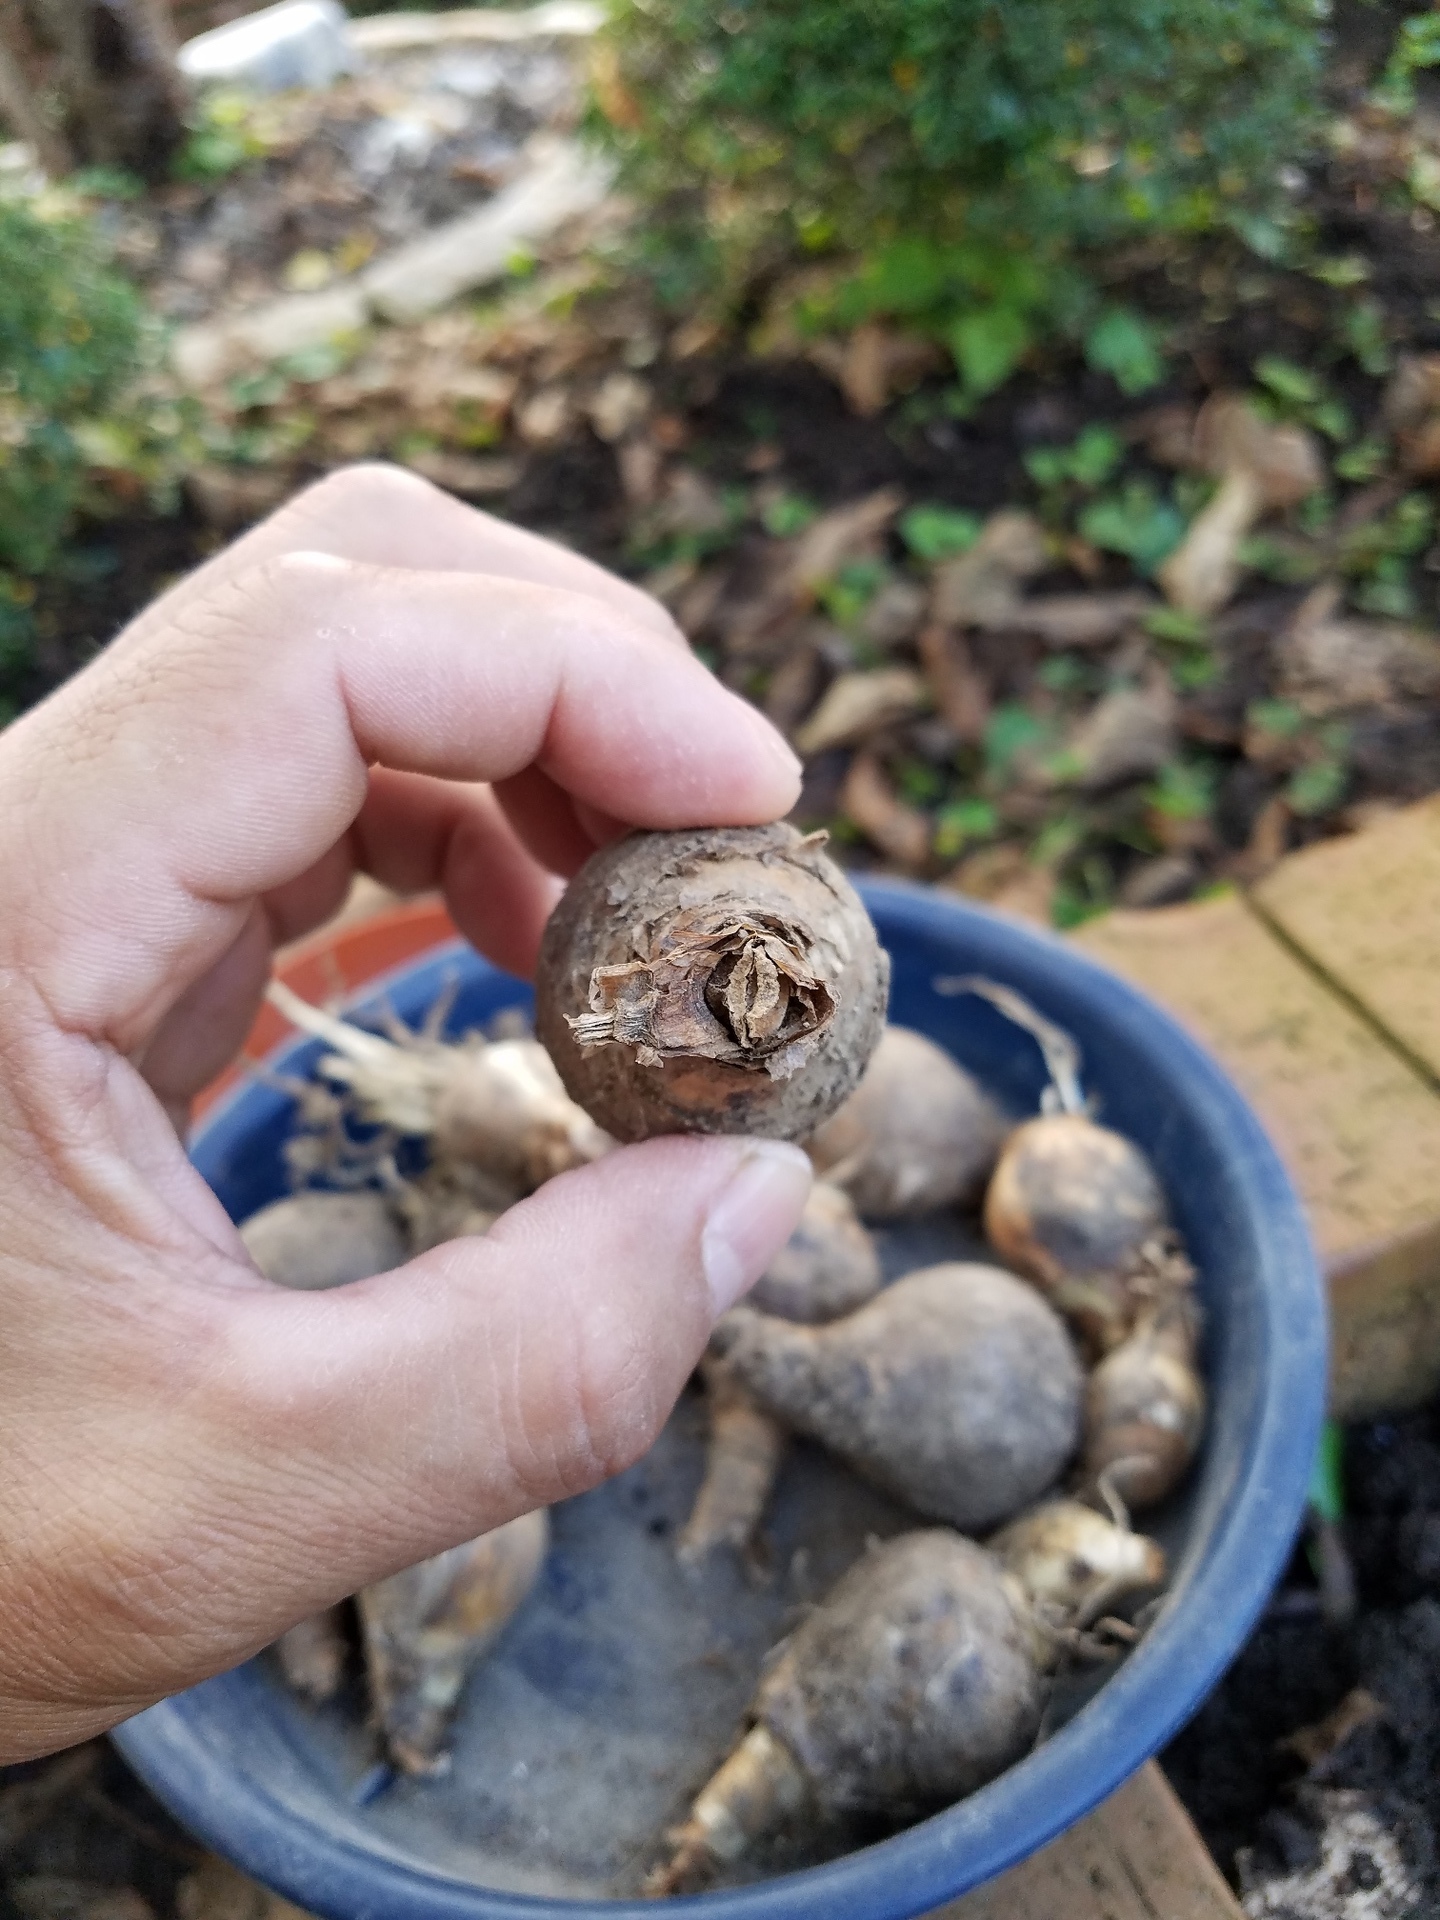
(235, 1763)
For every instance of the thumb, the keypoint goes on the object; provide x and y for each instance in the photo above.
(387, 1420)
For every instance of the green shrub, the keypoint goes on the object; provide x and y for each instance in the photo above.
(70, 335)
(968, 153)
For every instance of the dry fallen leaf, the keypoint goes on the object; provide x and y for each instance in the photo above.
(1005, 878)
(1328, 663)
(900, 831)
(981, 587)
(545, 419)
(846, 533)
(877, 362)
(1261, 467)
(1127, 735)
(1413, 390)
(1074, 619)
(619, 404)
(218, 1891)
(54, 1896)
(473, 475)
(858, 704)
(959, 691)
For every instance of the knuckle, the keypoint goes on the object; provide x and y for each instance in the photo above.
(368, 486)
(621, 1400)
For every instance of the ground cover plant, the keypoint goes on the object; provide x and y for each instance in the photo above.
(960, 162)
(1056, 711)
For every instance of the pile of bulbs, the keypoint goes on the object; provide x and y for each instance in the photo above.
(730, 981)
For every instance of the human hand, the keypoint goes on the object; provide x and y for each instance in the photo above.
(191, 1460)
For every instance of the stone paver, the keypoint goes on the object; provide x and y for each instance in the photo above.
(1366, 910)
(1137, 1857)
(1358, 1128)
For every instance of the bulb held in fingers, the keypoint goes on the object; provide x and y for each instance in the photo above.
(720, 980)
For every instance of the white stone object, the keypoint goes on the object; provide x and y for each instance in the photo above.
(553, 19)
(562, 182)
(208, 352)
(300, 43)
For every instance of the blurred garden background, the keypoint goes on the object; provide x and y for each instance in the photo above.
(1033, 407)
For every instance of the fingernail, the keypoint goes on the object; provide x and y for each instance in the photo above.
(752, 1217)
(774, 742)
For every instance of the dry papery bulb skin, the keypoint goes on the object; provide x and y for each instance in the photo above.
(317, 1239)
(957, 1389)
(1145, 1406)
(496, 1105)
(918, 1679)
(717, 980)
(426, 1629)
(918, 1133)
(828, 1267)
(1076, 1564)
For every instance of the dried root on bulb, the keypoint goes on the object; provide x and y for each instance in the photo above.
(956, 1389)
(828, 1268)
(918, 1679)
(1145, 1406)
(917, 1134)
(718, 980)
(742, 1458)
(313, 1655)
(449, 1201)
(494, 1105)
(1076, 1564)
(426, 1629)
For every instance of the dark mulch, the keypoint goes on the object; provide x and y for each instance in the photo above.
(1240, 1786)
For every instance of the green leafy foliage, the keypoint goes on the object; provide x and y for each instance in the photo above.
(222, 139)
(1088, 463)
(961, 823)
(1417, 45)
(1126, 346)
(788, 515)
(70, 334)
(1011, 731)
(1327, 1475)
(955, 159)
(939, 533)
(1134, 521)
(1185, 789)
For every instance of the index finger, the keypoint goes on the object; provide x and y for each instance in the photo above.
(389, 517)
(220, 754)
